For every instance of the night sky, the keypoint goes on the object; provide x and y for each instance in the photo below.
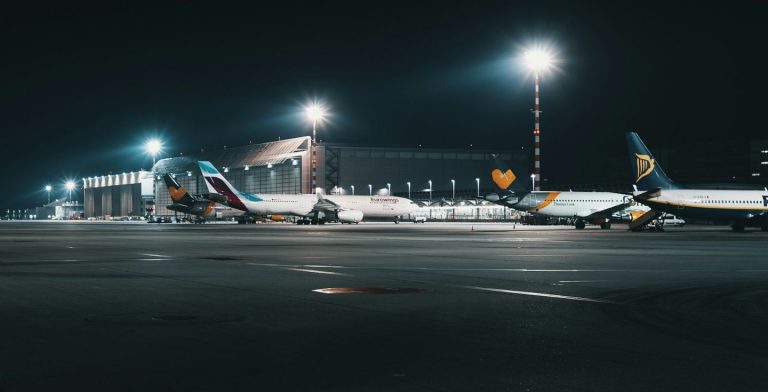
(83, 87)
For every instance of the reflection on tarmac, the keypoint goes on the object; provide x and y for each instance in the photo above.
(483, 307)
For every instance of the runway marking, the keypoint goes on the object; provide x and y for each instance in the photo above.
(316, 257)
(153, 259)
(155, 255)
(535, 294)
(316, 271)
(580, 281)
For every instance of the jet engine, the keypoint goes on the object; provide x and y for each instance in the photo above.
(349, 216)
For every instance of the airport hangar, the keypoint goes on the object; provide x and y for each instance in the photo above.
(284, 167)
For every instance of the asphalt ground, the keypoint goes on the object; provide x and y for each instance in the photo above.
(371, 307)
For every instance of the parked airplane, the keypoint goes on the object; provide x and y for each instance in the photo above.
(198, 206)
(346, 209)
(653, 188)
(594, 207)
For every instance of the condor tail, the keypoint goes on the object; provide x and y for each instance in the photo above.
(178, 194)
(507, 178)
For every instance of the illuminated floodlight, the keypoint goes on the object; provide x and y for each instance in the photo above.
(153, 147)
(70, 185)
(538, 59)
(315, 112)
(48, 188)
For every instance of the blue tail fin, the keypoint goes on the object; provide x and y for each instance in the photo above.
(647, 174)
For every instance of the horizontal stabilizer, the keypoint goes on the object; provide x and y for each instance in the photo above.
(638, 223)
(215, 197)
(653, 193)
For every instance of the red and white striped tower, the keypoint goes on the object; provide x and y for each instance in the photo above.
(538, 60)
(313, 183)
(537, 138)
(316, 113)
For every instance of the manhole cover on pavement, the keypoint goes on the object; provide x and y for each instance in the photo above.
(164, 318)
(369, 290)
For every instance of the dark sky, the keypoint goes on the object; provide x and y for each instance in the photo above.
(84, 86)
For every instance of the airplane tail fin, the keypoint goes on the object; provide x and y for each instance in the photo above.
(507, 178)
(216, 183)
(647, 174)
(178, 193)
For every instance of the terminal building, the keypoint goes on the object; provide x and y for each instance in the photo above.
(435, 177)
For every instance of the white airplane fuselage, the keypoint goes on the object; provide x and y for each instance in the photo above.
(304, 204)
(713, 205)
(375, 206)
(569, 204)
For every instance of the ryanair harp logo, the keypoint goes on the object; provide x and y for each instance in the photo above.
(644, 165)
(503, 180)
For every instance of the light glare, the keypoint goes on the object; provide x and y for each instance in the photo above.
(154, 146)
(538, 59)
(315, 112)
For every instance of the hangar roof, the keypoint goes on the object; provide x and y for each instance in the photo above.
(249, 155)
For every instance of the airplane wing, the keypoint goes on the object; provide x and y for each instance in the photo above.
(324, 205)
(591, 214)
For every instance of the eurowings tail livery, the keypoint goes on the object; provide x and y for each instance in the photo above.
(199, 206)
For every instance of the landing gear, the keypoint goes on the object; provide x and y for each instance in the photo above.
(737, 228)
(580, 225)
(397, 221)
(605, 225)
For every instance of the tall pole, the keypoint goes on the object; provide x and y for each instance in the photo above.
(477, 180)
(154, 185)
(409, 189)
(537, 138)
(314, 156)
(453, 190)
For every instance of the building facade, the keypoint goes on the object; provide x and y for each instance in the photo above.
(284, 167)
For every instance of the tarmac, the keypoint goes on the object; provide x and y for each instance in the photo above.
(379, 306)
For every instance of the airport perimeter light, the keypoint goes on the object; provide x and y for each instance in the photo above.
(538, 60)
(70, 185)
(316, 113)
(48, 189)
(153, 147)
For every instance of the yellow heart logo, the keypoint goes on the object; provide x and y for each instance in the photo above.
(503, 180)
